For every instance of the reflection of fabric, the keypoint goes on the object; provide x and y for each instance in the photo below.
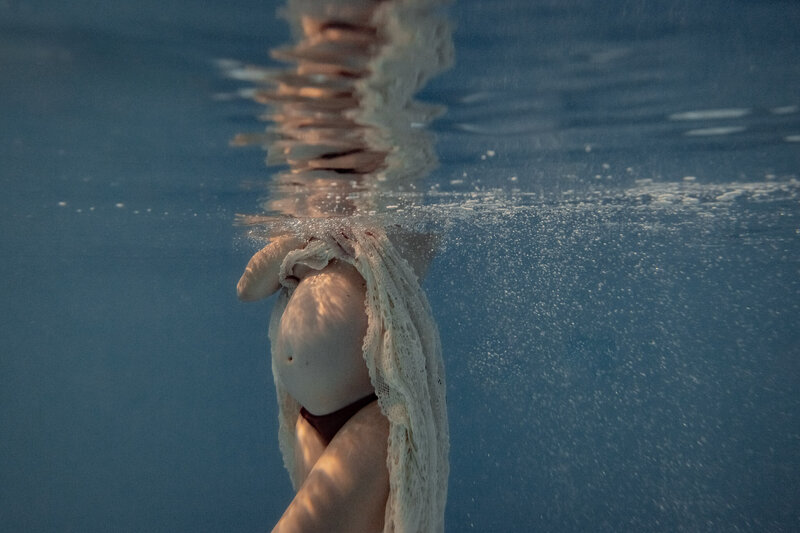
(417, 46)
(403, 354)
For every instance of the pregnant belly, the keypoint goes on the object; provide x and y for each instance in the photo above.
(318, 349)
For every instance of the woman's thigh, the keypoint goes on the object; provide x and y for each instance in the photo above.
(347, 488)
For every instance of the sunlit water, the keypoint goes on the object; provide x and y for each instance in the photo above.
(617, 289)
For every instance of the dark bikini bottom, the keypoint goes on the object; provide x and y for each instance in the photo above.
(329, 425)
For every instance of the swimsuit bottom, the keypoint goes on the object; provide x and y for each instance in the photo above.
(329, 425)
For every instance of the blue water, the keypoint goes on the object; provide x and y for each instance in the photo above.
(617, 290)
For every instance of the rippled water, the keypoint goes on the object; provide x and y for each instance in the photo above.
(617, 289)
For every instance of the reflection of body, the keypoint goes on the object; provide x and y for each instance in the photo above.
(341, 464)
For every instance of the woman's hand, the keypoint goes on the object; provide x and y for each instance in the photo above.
(260, 278)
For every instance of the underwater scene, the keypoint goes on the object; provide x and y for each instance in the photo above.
(574, 227)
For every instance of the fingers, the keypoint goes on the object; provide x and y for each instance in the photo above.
(260, 278)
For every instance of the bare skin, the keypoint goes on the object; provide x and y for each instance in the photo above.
(260, 278)
(317, 353)
(345, 485)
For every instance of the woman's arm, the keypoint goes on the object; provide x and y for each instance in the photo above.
(260, 278)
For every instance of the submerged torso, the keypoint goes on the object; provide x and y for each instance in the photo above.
(317, 352)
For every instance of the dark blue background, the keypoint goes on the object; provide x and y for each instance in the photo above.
(618, 358)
